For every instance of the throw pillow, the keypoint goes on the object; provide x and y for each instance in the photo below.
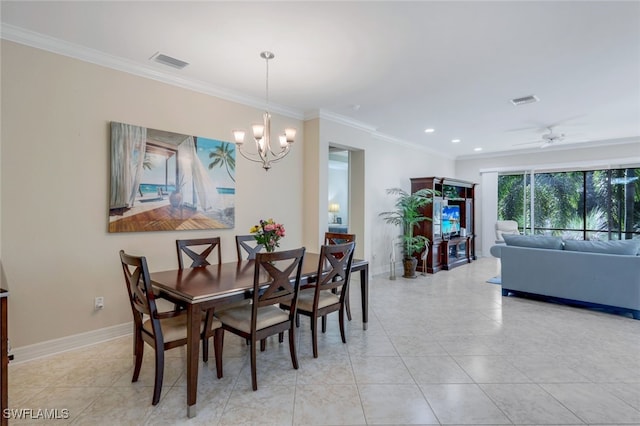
(626, 247)
(534, 241)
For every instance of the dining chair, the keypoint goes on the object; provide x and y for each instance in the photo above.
(199, 250)
(248, 245)
(318, 298)
(276, 281)
(340, 238)
(160, 330)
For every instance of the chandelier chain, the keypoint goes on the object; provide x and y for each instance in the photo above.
(267, 82)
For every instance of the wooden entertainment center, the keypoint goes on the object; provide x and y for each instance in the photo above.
(452, 242)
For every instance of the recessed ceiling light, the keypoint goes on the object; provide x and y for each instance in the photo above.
(477, 149)
(455, 140)
(429, 130)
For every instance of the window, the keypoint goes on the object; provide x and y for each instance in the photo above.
(593, 205)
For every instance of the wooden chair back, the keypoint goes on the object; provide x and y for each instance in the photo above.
(334, 269)
(338, 238)
(198, 258)
(141, 296)
(276, 279)
(248, 245)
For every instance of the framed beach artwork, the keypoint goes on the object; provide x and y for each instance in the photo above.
(164, 181)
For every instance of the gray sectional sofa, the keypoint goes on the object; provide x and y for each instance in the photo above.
(601, 274)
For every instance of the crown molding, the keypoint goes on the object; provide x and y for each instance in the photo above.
(82, 53)
(560, 147)
(412, 145)
(340, 119)
(349, 122)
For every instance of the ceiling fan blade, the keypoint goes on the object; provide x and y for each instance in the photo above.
(527, 143)
(566, 120)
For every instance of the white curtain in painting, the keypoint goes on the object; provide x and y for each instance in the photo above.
(197, 185)
(128, 145)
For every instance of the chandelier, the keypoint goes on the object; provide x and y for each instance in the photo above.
(265, 152)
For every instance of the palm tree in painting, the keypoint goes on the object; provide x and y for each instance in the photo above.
(222, 155)
(147, 163)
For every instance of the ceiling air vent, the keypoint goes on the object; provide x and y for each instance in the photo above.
(169, 61)
(525, 100)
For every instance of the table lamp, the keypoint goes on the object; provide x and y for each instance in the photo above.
(334, 208)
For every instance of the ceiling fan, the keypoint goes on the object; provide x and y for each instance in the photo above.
(546, 139)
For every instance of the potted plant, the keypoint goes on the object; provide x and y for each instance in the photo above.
(408, 214)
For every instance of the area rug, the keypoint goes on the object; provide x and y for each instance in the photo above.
(495, 280)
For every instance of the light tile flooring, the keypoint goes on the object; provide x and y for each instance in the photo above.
(441, 349)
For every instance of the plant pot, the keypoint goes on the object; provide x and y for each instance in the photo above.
(409, 267)
(175, 199)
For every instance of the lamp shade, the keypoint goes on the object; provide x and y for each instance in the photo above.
(334, 207)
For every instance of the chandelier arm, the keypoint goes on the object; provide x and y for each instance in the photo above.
(283, 151)
(251, 157)
(281, 155)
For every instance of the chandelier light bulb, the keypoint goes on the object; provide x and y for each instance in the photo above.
(258, 131)
(290, 135)
(238, 136)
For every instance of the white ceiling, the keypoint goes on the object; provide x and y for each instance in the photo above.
(394, 67)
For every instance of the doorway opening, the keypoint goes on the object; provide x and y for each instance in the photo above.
(338, 190)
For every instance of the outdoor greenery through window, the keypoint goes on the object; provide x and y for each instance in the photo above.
(590, 205)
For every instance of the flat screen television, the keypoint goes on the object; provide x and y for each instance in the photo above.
(450, 220)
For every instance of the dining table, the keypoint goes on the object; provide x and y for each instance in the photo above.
(203, 288)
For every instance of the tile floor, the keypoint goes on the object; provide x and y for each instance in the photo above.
(441, 349)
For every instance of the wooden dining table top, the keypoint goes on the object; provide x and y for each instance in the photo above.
(198, 285)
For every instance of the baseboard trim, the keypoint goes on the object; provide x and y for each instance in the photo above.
(68, 343)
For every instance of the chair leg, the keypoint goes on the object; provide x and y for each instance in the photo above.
(324, 323)
(341, 320)
(281, 337)
(292, 347)
(263, 345)
(205, 339)
(218, 343)
(347, 305)
(205, 349)
(138, 349)
(157, 387)
(314, 336)
(254, 374)
(297, 320)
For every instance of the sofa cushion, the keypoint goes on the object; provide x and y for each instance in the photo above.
(534, 241)
(627, 247)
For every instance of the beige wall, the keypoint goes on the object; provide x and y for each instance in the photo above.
(57, 253)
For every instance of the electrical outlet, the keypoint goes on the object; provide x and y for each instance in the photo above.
(99, 303)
